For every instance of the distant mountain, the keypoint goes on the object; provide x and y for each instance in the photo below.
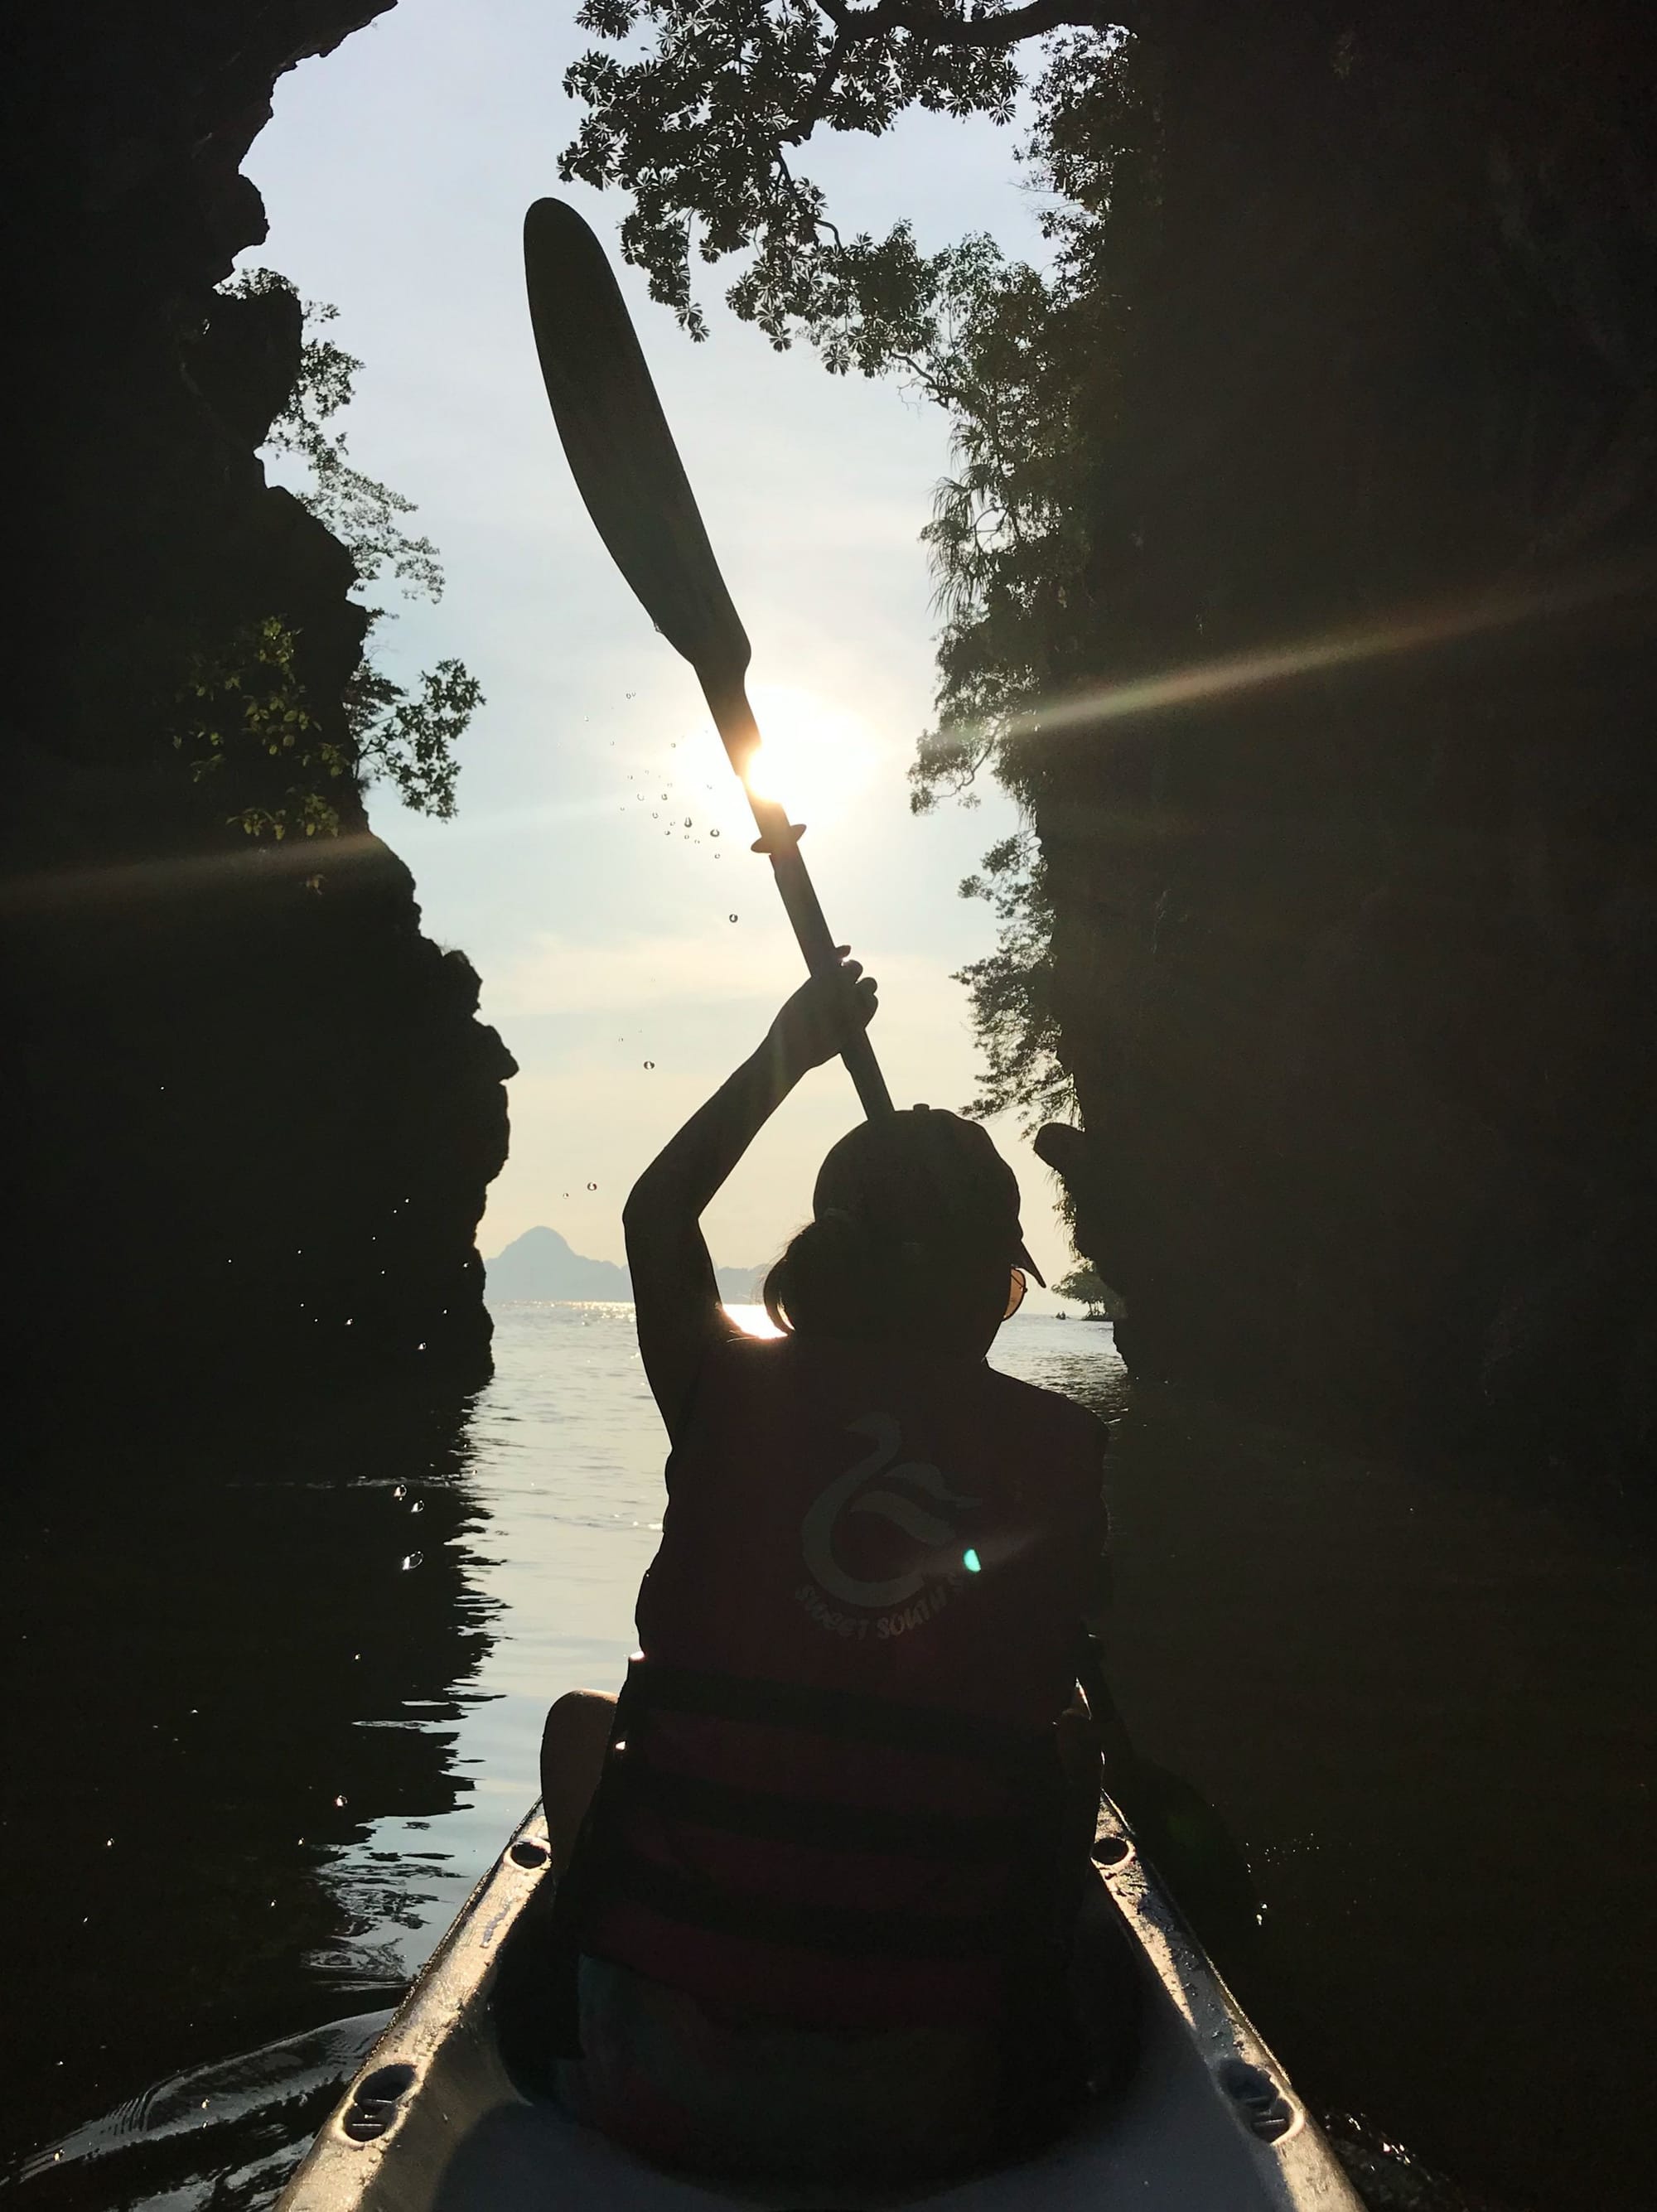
(540, 1264)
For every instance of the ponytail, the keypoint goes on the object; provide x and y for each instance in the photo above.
(839, 1278)
(826, 1281)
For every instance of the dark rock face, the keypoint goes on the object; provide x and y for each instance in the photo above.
(249, 1116)
(1356, 965)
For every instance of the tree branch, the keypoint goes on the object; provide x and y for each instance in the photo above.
(925, 19)
(823, 83)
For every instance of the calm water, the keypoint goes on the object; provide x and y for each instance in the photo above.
(276, 1686)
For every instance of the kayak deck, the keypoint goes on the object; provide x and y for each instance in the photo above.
(445, 2117)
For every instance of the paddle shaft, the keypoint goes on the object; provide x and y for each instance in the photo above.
(779, 840)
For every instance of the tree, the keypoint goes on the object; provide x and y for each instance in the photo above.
(704, 127)
(245, 691)
(1008, 989)
(1088, 1288)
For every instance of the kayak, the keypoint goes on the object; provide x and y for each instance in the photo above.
(453, 2110)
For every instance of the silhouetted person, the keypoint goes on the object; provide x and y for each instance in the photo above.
(822, 1896)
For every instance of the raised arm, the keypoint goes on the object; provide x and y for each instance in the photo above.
(677, 1300)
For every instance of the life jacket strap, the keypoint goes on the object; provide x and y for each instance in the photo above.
(979, 1838)
(837, 1931)
(844, 1714)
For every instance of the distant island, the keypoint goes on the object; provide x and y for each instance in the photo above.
(540, 1264)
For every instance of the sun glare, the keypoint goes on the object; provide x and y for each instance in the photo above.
(814, 758)
(753, 1321)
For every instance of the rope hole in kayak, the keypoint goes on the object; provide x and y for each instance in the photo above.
(1262, 2106)
(527, 1854)
(374, 2101)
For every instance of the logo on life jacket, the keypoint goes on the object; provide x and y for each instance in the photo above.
(874, 1486)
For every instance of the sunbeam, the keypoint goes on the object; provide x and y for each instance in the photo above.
(1395, 634)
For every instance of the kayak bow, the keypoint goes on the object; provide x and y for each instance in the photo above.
(452, 2113)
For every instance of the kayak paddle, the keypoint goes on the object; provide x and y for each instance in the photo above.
(628, 470)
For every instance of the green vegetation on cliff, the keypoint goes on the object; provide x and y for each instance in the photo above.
(243, 695)
(237, 1071)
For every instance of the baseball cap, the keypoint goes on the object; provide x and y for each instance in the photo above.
(926, 1174)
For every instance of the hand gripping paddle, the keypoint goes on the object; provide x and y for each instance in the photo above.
(628, 470)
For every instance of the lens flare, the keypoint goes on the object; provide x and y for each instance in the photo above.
(1406, 630)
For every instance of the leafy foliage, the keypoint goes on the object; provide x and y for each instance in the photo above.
(1009, 989)
(701, 128)
(247, 696)
(363, 514)
(1032, 392)
(409, 739)
(404, 736)
(1088, 1288)
(701, 121)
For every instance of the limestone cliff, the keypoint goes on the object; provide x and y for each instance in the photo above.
(249, 1116)
(1355, 965)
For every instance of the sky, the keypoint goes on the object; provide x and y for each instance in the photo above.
(632, 950)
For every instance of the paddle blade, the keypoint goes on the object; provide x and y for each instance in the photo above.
(621, 451)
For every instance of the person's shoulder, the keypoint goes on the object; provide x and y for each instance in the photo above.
(743, 1359)
(732, 1375)
(1051, 1408)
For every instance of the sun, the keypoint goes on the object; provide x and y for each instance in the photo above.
(814, 758)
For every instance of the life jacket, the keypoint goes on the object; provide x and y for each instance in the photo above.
(833, 1796)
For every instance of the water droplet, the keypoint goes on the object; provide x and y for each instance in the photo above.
(712, 833)
(687, 821)
(650, 1063)
(402, 1489)
(412, 1561)
(417, 1507)
(592, 1186)
(339, 1801)
(973, 1564)
(733, 917)
(654, 816)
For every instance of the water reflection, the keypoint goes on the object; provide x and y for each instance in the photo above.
(222, 1671)
(225, 2136)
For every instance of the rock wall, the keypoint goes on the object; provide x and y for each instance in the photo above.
(248, 1113)
(1356, 950)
